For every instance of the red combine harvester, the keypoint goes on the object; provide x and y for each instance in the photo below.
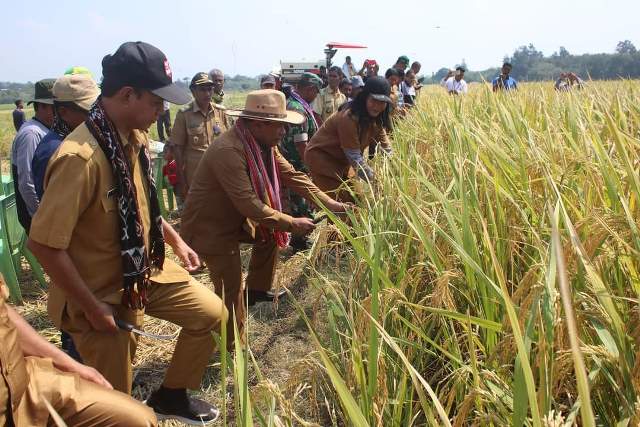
(290, 71)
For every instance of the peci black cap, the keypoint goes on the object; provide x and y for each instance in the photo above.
(143, 66)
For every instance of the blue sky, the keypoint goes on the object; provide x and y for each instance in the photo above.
(40, 39)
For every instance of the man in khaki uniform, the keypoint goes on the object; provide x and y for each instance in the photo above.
(195, 128)
(33, 371)
(235, 197)
(99, 234)
(330, 98)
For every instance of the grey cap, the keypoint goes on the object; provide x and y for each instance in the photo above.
(356, 81)
(268, 79)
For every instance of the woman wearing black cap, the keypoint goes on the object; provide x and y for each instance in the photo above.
(335, 153)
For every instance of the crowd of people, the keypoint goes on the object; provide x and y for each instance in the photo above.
(86, 196)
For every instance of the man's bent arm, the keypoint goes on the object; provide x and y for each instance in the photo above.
(64, 274)
(25, 176)
(32, 344)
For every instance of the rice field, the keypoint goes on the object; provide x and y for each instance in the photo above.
(492, 267)
(487, 277)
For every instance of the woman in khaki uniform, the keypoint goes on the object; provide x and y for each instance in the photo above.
(335, 153)
(195, 128)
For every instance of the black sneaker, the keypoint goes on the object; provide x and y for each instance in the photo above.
(175, 404)
(299, 243)
(261, 296)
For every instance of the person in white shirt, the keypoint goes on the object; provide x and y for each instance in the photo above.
(163, 124)
(348, 69)
(455, 84)
(407, 88)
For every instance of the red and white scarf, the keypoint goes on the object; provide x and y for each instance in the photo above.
(267, 191)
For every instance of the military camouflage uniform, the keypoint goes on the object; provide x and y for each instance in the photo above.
(297, 134)
(217, 98)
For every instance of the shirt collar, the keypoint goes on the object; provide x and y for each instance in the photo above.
(196, 108)
(136, 138)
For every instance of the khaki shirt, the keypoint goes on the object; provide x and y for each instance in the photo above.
(14, 378)
(78, 213)
(223, 209)
(341, 132)
(327, 102)
(28, 382)
(195, 130)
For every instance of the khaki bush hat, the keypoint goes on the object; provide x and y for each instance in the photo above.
(201, 79)
(268, 105)
(77, 88)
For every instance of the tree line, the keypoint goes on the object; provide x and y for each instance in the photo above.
(10, 91)
(530, 64)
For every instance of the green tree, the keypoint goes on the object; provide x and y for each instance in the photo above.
(626, 47)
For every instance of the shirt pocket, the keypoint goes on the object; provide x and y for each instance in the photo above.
(197, 136)
(328, 106)
(109, 201)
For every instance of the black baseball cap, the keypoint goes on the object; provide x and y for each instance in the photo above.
(379, 88)
(143, 66)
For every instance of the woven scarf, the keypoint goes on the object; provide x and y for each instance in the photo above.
(267, 191)
(135, 260)
(307, 108)
(60, 127)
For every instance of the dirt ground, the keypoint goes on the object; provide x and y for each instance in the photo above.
(278, 339)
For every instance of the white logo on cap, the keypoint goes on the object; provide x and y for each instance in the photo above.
(167, 69)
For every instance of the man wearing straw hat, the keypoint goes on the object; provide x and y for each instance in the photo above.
(196, 126)
(235, 197)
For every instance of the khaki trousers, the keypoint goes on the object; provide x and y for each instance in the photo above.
(189, 305)
(226, 274)
(80, 403)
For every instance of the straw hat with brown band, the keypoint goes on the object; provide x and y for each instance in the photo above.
(267, 105)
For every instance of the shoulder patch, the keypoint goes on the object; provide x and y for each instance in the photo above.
(84, 150)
